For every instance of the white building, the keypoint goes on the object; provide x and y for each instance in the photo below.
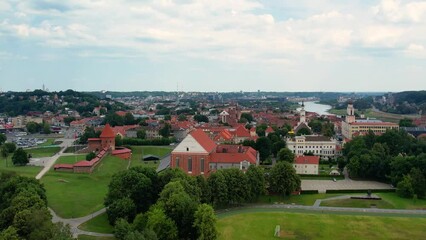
(318, 145)
(306, 164)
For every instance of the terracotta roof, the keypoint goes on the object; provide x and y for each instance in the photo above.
(121, 113)
(269, 130)
(307, 160)
(64, 165)
(121, 151)
(107, 132)
(93, 139)
(374, 123)
(234, 154)
(242, 132)
(84, 163)
(201, 137)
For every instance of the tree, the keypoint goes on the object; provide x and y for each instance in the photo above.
(264, 146)
(165, 130)
(20, 157)
(68, 120)
(122, 228)
(247, 116)
(123, 208)
(205, 223)
(33, 127)
(406, 122)
(4, 153)
(164, 227)
(256, 179)
(118, 141)
(405, 187)
(141, 134)
(90, 156)
(9, 234)
(418, 182)
(277, 146)
(10, 147)
(201, 118)
(3, 138)
(219, 188)
(129, 119)
(46, 128)
(182, 117)
(304, 131)
(286, 155)
(283, 179)
(238, 187)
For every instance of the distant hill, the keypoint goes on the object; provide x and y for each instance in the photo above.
(408, 102)
(22, 103)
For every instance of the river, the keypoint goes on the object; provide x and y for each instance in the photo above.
(321, 109)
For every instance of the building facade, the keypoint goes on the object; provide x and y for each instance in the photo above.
(306, 165)
(318, 145)
(352, 126)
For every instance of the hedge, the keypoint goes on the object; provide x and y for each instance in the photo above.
(140, 142)
(359, 190)
(309, 192)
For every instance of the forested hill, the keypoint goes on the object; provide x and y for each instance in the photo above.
(21, 103)
(408, 102)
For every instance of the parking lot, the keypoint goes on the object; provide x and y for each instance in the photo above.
(323, 185)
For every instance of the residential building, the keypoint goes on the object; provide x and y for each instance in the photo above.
(306, 164)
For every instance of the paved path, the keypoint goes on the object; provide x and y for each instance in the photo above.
(324, 185)
(49, 161)
(75, 222)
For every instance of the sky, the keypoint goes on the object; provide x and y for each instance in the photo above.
(220, 45)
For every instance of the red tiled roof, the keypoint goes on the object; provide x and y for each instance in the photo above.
(234, 154)
(306, 160)
(63, 165)
(93, 139)
(374, 123)
(201, 137)
(84, 163)
(107, 132)
(242, 132)
(121, 151)
(121, 113)
(269, 130)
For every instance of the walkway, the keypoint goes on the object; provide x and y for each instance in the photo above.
(75, 222)
(49, 161)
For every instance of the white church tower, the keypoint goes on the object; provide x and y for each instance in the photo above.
(350, 117)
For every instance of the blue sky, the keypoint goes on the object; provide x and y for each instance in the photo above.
(221, 45)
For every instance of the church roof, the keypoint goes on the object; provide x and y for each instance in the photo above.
(203, 139)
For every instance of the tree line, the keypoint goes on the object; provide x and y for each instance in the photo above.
(173, 205)
(24, 213)
(394, 157)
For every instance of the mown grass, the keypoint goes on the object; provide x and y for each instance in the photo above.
(26, 171)
(358, 203)
(70, 159)
(403, 203)
(97, 224)
(139, 151)
(42, 151)
(261, 225)
(73, 195)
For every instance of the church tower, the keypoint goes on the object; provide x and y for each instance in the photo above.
(302, 114)
(350, 117)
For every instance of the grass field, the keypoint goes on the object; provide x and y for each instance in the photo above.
(98, 224)
(42, 151)
(73, 195)
(139, 151)
(87, 237)
(71, 159)
(357, 203)
(403, 203)
(26, 171)
(261, 225)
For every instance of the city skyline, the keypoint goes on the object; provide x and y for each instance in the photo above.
(125, 45)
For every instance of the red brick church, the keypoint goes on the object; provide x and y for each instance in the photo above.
(197, 154)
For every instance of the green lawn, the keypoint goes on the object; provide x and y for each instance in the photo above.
(357, 203)
(87, 237)
(26, 171)
(73, 195)
(97, 224)
(139, 151)
(403, 203)
(49, 142)
(261, 225)
(303, 199)
(71, 159)
(42, 151)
